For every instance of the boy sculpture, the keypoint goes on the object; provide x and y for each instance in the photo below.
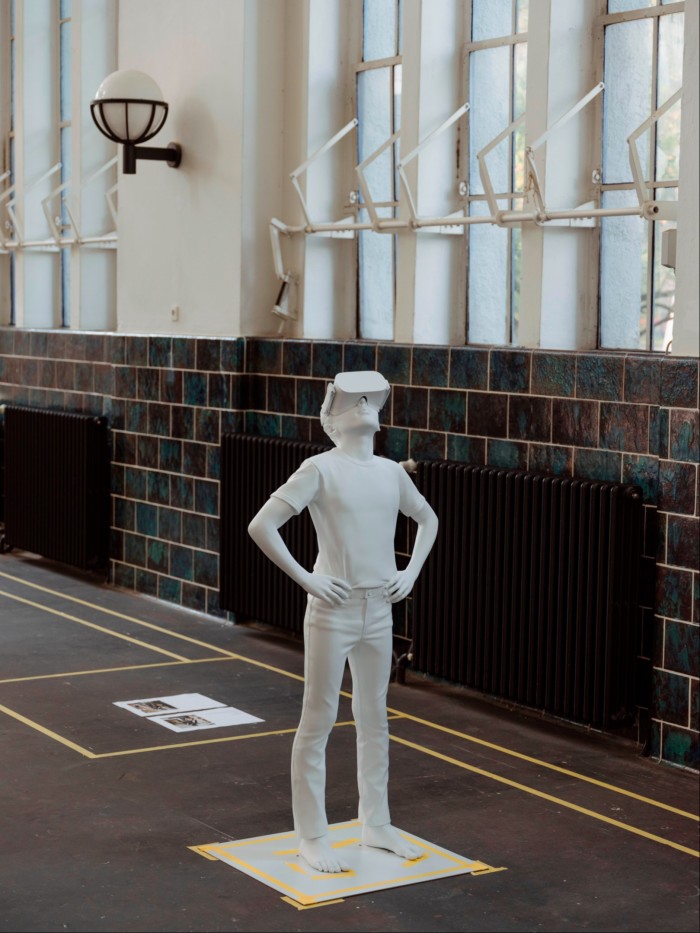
(354, 499)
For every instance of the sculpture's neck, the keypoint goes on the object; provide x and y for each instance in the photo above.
(358, 446)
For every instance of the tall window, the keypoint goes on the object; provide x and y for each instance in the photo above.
(643, 69)
(497, 63)
(65, 146)
(378, 94)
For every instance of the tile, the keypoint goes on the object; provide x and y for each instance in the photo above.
(182, 421)
(553, 374)
(134, 549)
(409, 407)
(326, 359)
(231, 422)
(643, 472)
(281, 394)
(146, 519)
(194, 597)
(530, 418)
(212, 526)
(124, 576)
(677, 487)
(158, 487)
(38, 343)
(296, 358)
(546, 458)
(208, 354)
(394, 363)
(194, 386)
(124, 513)
(233, 355)
(447, 410)
(430, 366)
(466, 449)
(262, 424)
(169, 524)
(125, 379)
(207, 423)
(684, 435)
(263, 356)
(219, 394)
(683, 542)
(194, 530)
(598, 465)
(213, 462)
(135, 483)
(599, 376)
(671, 697)
(181, 562)
(659, 426)
(674, 593)
(642, 379)
(469, 368)
(148, 387)
(171, 385)
(169, 590)
(487, 414)
(509, 371)
(427, 445)
(136, 351)
(359, 356)
(310, 396)
(206, 497)
(293, 428)
(182, 492)
(146, 582)
(682, 648)
(206, 568)
(158, 556)
(159, 419)
(679, 383)
(393, 443)
(160, 352)
(508, 455)
(170, 455)
(624, 427)
(147, 451)
(680, 746)
(575, 423)
(183, 350)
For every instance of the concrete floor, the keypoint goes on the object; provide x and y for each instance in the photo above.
(102, 811)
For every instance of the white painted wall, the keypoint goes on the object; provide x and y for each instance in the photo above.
(180, 230)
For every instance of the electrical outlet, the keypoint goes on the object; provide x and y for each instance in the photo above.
(175, 313)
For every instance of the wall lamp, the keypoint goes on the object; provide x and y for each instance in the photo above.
(129, 109)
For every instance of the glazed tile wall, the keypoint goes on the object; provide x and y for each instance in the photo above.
(611, 416)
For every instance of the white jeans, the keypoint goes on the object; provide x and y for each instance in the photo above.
(359, 630)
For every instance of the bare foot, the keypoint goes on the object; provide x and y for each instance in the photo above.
(387, 837)
(319, 854)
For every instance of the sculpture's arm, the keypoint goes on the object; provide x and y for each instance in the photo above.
(402, 583)
(264, 530)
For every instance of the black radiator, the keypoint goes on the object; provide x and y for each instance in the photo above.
(250, 584)
(531, 591)
(56, 485)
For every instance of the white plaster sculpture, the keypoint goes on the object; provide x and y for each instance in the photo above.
(354, 498)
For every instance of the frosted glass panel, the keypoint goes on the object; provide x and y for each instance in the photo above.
(489, 115)
(628, 99)
(523, 10)
(623, 281)
(488, 276)
(379, 29)
(376, 281)
(622, 6)
(664, 283)
(670, 77)
(66, 64)
(374, 110)
(491, 18)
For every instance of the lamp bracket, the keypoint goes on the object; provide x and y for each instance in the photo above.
(172, 154)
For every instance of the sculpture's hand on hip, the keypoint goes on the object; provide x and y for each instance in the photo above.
(331, 590)
(399, 586)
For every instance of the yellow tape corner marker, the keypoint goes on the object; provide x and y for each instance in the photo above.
(290, 900)
(202, 850)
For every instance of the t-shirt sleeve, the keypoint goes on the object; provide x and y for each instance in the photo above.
(300, 488)
(411, 502)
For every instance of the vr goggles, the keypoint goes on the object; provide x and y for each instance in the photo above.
(347, 389)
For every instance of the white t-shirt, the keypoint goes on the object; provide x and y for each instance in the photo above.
(354, 505)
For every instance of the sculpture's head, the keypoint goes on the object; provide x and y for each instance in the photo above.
(353, 402)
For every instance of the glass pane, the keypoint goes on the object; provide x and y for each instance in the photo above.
(670, 77)
(664, 282)
(628, 100)
(376, 281)
(378, 29)
(516, 255)
(523, 10)
(622, 6)
(65, 287)
(65, 9)
(12, 85)
(488, 278)
(520, 53)
(374, 112)
(491, 18)
(490, 92)
(66, 153)
(623, 278)
(400, 14)
(66, 65)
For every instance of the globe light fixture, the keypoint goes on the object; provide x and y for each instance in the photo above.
(129, 109)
